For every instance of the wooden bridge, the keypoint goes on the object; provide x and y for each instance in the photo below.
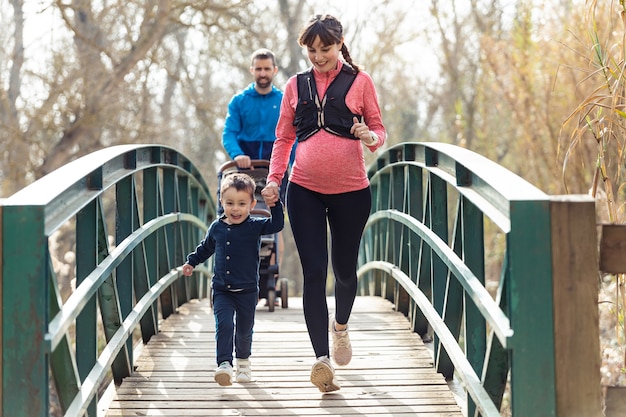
(391, 373)
(497, 276)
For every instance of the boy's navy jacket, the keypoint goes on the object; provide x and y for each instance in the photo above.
(236, 248)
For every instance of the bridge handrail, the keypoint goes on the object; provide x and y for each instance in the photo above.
(67, 190)
(488, 307)
(97, 375)
(467, 374)
(177, 208)
(74, 305)
(488, 185)
(413, 236)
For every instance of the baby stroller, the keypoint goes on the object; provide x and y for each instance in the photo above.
(268, 267)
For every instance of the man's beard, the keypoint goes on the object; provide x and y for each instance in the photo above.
(263, 82)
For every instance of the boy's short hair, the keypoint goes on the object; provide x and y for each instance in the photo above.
(240, 182)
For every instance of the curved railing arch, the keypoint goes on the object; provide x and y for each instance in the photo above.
(160, 206)
(428, 259)
(437, 209)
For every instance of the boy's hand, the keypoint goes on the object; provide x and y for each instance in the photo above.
(187, 270)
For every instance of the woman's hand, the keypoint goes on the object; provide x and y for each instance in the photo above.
(270, 194)
(361, 131)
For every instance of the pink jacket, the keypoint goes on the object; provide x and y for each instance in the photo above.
(326, 163)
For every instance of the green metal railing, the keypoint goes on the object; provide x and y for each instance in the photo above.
(428, 247)
(437, 211)
(159, 207)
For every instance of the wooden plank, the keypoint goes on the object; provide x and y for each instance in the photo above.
(283, 377)
(575, 292)
(190, 388)
(300, 398)
(613, 248)
(391, 372)
(335, 411)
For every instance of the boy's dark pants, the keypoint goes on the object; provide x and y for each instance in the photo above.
(230, 307)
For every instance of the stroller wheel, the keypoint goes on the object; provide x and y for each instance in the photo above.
(284, 292)
(271, 299)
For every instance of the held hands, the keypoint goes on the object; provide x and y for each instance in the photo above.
(187, 270)
(361, 131)
(270, 194)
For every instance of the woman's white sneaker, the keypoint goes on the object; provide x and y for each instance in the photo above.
(323, 375)
(342, 348)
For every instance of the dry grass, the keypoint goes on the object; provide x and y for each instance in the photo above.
(598, 124)
(613, 370)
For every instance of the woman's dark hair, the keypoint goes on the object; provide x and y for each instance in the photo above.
(330, 31)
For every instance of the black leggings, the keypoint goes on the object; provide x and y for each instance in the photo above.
(347, 214)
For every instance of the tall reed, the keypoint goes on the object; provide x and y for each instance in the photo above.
(596, 131)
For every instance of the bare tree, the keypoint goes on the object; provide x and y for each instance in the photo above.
(117, 73)
(9, 118)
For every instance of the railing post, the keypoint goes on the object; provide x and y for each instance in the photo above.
(531, 313)
(419, 259)
(125, 200)
(169, 303)
(151, 198)
(182, 196)
(24, 307)
(87, 231)
(400, 237)
(576, 316)
(438, 222)
(383, 250)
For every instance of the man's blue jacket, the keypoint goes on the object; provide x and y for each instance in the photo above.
(250, 126)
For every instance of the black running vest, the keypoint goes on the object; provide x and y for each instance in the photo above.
(331, 113)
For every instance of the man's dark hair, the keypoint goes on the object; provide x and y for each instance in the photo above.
(263, 53)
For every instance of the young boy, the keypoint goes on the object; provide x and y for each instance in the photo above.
(235, 239)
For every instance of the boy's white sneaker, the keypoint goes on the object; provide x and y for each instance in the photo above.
(323, 375)
(244, 372)
(342, 348)
(224, 374)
